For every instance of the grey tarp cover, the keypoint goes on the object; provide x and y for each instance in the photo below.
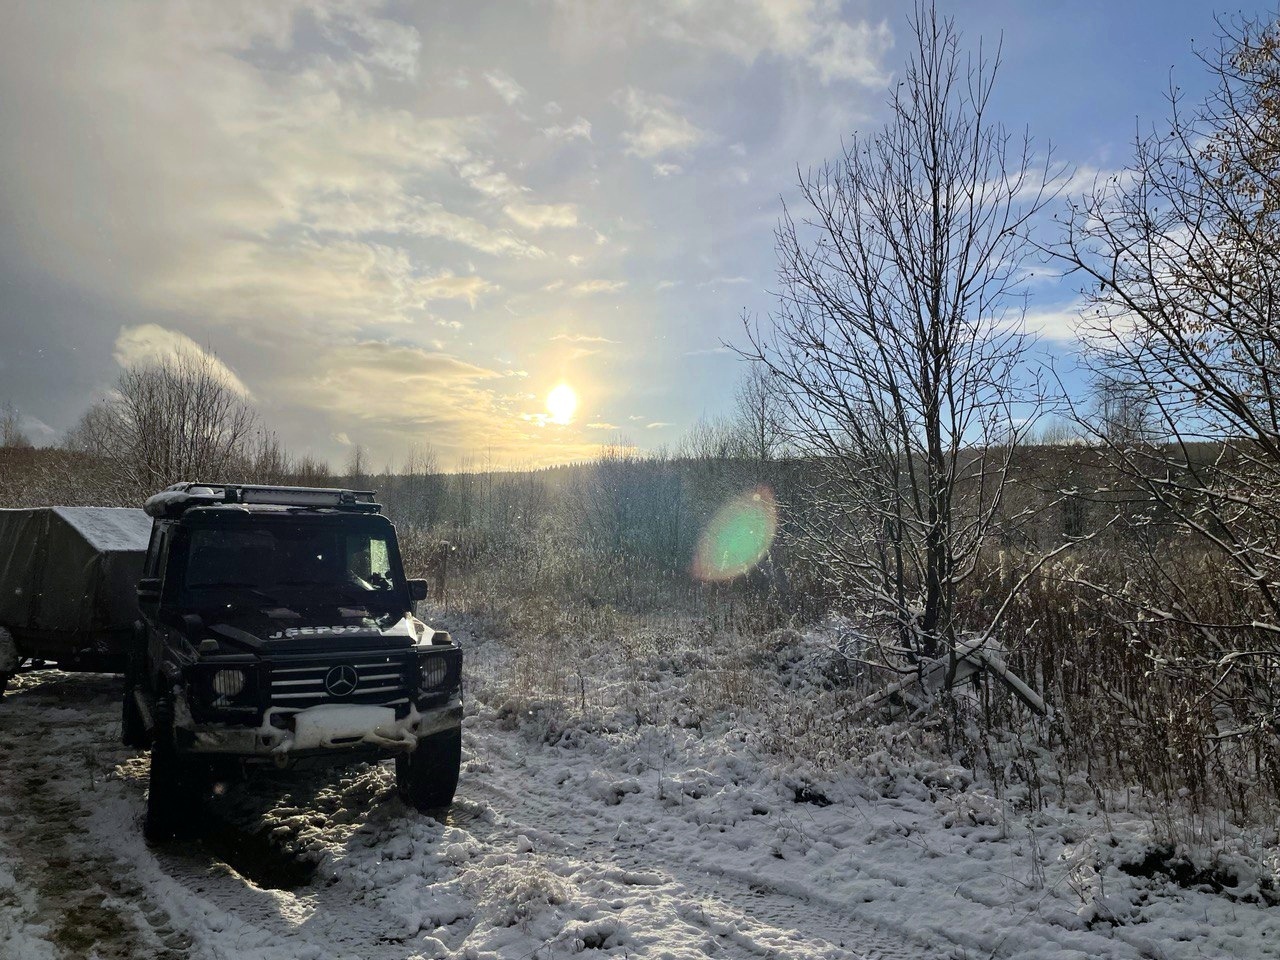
(71, 570)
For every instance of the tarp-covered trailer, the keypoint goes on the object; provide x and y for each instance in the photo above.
(68, 585)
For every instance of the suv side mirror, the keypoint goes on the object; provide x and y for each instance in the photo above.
(149, 590)
(417, 590)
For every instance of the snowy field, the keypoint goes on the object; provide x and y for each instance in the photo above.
(592, 829)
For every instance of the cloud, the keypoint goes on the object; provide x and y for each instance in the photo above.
(1064, 323)
(480, 174)
(658, 425)
(505, 86)
(539, 216)
(581, 338)
(603, 426)
(724, 281)
(657, 130)
(36, 428)
(149, 343)
(852, 52)
(448, 287)
(392, 46)
(384, 395)
(591, 287)
(579, 129)
(342, 283)
(810, 35)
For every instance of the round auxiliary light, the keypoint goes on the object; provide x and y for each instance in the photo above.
(227, 683)
(434, 672)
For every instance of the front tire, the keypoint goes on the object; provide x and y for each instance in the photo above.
(427, 778)
(174, 793)
(133, 730)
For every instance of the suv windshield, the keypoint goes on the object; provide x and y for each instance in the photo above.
(292, 564)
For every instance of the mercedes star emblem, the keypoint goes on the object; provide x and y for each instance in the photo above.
(341, 680)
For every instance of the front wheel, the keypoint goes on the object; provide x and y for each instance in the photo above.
(133, 729)
(174, 793)
(428, 778)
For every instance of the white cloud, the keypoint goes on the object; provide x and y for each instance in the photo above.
(657, 129)
(483, 178)
(392, 46)
(579, 129)
(149, 343)
(342, 283)
(809, 34)
(446, 286)
(724, 281)
(539, 216)
(853, 52)
(505, 86)
(581, 338)
(589, 287)
(1062, 324)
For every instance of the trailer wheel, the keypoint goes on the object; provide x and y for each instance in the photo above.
(174, 793)
(8, 658)
(428, 778)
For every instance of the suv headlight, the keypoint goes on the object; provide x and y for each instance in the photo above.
(434, 672)
(228, 683)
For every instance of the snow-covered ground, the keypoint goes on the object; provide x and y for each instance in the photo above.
(639, 826)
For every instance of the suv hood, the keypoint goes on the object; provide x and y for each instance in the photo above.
(259, 633)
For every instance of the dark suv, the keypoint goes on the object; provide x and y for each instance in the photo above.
(277, 629)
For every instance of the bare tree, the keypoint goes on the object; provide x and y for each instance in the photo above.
(1182, 257)
(358, 466)
(897, 345)
(422, 485)
(11, 432)
(172, 419)
(757, 419)
(1122, 412)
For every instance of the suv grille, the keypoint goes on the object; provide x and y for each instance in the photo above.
(365, 679)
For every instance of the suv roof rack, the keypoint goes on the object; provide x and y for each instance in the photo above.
(183, 496)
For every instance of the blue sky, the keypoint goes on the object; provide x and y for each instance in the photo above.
(402, 224)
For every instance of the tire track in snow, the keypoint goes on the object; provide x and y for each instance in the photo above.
(742, 912)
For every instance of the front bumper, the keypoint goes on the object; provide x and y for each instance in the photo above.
(328, 729)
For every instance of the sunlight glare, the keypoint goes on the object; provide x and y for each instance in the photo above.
(738, 536)
(561, 403)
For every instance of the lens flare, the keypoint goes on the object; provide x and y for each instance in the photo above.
(738, 536)
(562, 402)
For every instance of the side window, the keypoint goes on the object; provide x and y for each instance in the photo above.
(367, 559)
(154, 566)
(378, 561)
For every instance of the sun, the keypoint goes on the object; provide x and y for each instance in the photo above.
(561, 403)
